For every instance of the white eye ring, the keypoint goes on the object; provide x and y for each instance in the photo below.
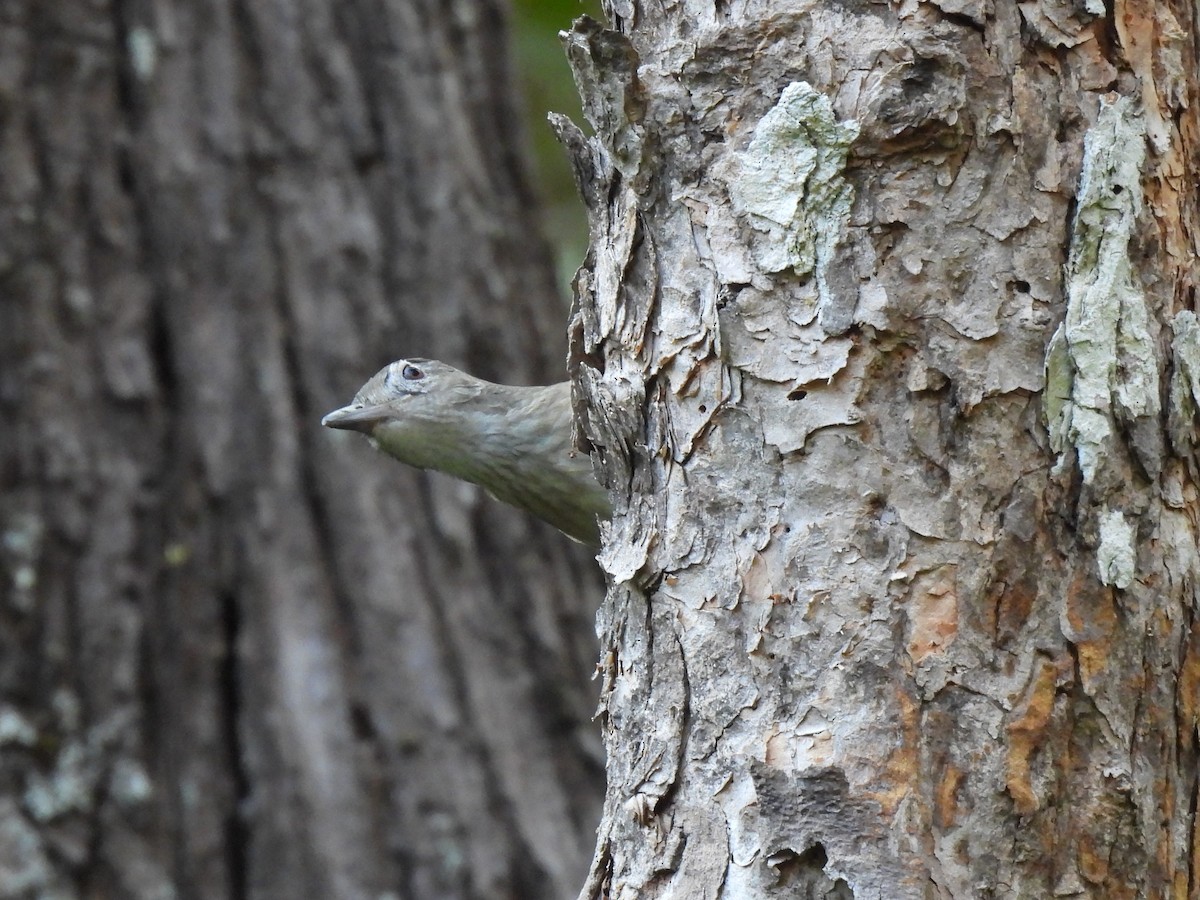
(411, 373)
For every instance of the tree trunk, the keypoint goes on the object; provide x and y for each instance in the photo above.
(890, 355)
(242, 656)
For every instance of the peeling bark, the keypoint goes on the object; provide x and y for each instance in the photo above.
(888, 353)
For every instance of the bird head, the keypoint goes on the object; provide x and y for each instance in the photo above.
(415, 408)
(381, 397)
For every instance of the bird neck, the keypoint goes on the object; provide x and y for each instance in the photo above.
(476, 436)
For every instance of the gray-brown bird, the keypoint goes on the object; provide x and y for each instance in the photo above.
(515, 442)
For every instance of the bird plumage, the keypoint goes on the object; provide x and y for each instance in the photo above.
(515, 442)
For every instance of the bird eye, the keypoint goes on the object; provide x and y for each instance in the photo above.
(411, 373)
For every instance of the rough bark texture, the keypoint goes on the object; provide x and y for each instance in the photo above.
(242, 656)
(889, 353)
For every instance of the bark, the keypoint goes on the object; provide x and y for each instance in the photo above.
(888, 351)
(242, 656)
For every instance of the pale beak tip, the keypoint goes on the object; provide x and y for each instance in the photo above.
(343, 418)
(355, 418)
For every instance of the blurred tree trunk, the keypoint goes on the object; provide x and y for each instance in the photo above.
(241, 656)
(889, 342)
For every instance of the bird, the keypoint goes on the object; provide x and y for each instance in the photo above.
(515, 442)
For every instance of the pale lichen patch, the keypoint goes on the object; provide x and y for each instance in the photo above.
(1184, 398)
(20, 549)
(142, 45)
(1101, 364)
(788, 185)
(24, 865)
(1116, 555)
(16, 729)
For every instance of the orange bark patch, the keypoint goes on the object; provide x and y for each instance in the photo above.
(756, 579)
(1091, 619)
(1093, 859)
(932, 612)
(945, 799)
(902, 768)
(1189, 685)
(1025, 734)
(778, 751)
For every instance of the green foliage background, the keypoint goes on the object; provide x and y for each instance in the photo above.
(546, 82)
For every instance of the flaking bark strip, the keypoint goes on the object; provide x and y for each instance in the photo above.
(1101, 365)
(604, 65)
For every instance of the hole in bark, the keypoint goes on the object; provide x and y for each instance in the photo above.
(797, 394)
(1021, 287)
(962, 21)
(805, 874)
(703, 408)
(814, 856)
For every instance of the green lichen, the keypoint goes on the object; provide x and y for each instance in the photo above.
(1101, 365)
(788, 182)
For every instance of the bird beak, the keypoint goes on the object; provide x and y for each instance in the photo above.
(357, 417)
